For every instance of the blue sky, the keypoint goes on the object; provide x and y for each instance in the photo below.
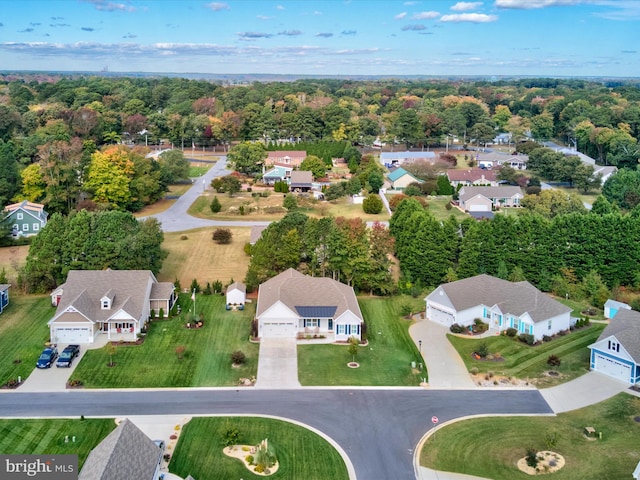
(331, 37)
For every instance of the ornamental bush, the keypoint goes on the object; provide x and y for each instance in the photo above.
(222, 236)
(372, 204)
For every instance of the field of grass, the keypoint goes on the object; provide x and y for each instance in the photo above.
(12, 259)
(154, 364)
(46, 436)
(490, 447)
(301, 453)
(530, 362)
(385, 361)
(585, 197)
(198, 169)
(23, 333)
(201, 258)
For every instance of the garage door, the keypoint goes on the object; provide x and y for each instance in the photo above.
(613, 368)
(278, 329)
(479, 208)
(440, 316)
(73, 335)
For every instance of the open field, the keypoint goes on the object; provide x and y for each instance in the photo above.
(490, 447)
(301, 453)
(201, 258)
(155, 364)
(586, 198)
(46, 436)
(23, 333)
(12, 259)
(530, 362)
(385, 361)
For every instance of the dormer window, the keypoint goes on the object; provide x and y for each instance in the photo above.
(106, 304)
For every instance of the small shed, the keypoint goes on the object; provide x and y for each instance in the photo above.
(236, 295)
(611, 307)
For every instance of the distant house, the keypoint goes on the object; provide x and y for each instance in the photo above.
(486, 199)
(26, 218)
(400, 179)
(4, 296)
(472, 176)
(287, 158)
(301, 181)
(605, 172)
(236, 294)
(292, 304)
(611, 307)
(125, 454)
(395, 159)
(499, 303)
(617, 351)
(278, 173)
(500, 159)
(107, 302)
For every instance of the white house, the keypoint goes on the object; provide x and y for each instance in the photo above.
(617, 351)
(499, 303)
(611, 307)
(236, 294)
(292, 304)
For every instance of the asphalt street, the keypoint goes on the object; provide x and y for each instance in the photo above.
(377, 428)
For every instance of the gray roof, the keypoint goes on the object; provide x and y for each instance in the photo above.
(298, 291)
(615, 304)
(301, 178)
(512, 298)
(237, 286)
(125, 454)
(4, 286)
(128, 289)
(256, 233)
(490, 192)
(405, 155)
(625, 326)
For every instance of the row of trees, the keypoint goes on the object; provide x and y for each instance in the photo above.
(90, 241)
(535, 247)
(344, 249)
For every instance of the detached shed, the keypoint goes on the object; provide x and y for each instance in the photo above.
(611, 307)
(236, 294)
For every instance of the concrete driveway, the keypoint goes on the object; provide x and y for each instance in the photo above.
(590, 388)
(52, 379)
(278, 364)
(444, 366)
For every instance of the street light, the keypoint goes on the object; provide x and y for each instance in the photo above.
(420, 346)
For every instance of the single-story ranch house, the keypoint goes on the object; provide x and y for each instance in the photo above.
(292, 304)
(400, 179)
(107, 302)
(499, 303)
(617, 351)
(472, 176)
(395, 159)
(485, 199)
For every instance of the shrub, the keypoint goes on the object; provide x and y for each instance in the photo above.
(290, 202)
(161, 313)
(546, 338)
(249, 459)
(554, 361)
(222, 236)
(483, 349)
(238, 357)
(259, 469)
(184, 237)
(230, 436)
(512, 332)
(215, 205)
(474, 371)
(195, 286)
(532, 457)
(527, 338)
(457, 328)
(372, 204)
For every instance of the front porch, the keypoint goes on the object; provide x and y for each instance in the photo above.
(119, 331)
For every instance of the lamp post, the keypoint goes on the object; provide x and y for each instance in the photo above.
(420, 346)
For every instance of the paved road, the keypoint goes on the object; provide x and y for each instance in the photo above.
(377, 428)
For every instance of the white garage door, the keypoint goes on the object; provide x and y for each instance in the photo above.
(73, 335)
(479, 208)
(440, 316)
(278, 329)
(613, 368)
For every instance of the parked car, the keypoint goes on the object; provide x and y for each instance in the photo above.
(47, 357)
(68, 354)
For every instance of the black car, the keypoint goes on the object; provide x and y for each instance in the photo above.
(47, 357)
(68, 354)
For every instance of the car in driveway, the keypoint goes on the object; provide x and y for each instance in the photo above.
(47, 357)
(67, 355)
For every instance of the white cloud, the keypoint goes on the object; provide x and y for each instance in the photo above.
(400, 16)
(263, 17)
(463, 6)
(469, 17)
(279, 7)
(426, 15)
(106, 6)
(529, 4)
(218, 6)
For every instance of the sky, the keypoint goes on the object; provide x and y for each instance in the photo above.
(575, 38)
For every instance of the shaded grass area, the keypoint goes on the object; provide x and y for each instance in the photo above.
(23, 333)
(197, 169)
(46, 436)
(385, 361)
(524, 361)
(13, 258)
(206, 360)
(199, 257)
(490, 447)
(301, 453)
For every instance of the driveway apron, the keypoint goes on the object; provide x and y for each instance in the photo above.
(278, 364)
(444, 366)
(589, 389)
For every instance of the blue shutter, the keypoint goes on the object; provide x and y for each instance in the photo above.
(531, 329)
(511, 322)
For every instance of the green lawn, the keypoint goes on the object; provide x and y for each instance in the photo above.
(386, 360)
(301, 453)
(490, 447)
(198, 169)
(154, 364)
(530, 362)
(46, 436)
(23, 333)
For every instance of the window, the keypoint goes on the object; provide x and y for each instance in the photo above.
(36, 227)
(19, 216)
(615, 346)
(16, 227)
(105, 305)
(25, 227)
(311, 322)
(549, 325)
(340, 330)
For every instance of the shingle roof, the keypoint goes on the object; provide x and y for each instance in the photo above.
(406, 155)
(256, 233)
(301, 178)
(490, 192)
(615, 304)
(471, 175)
(296, 290)
(399, 173)
(125, 454)
(625, 326)
(512, 298)
(237, 286)
(36, 209)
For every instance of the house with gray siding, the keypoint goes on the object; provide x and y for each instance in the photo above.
(25, 218)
